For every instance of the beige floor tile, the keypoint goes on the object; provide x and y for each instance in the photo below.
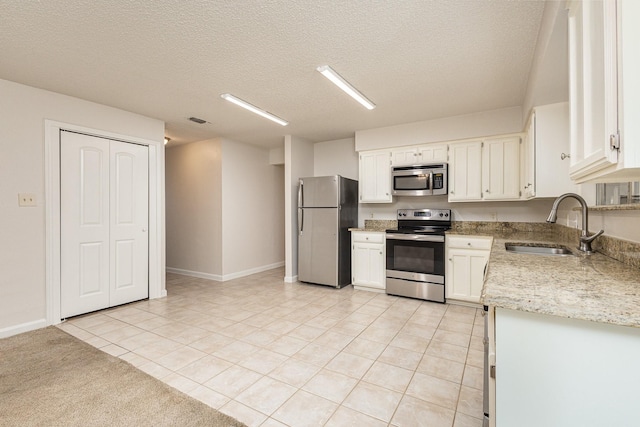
(213, 323)
(141, 340)
(208, 397)
(435, 390)
(114, 350)
(287, 345)
(260, 338)
(447, 351)
(414, 412)
(305, 410)
(463, 420)
(344, 416)
(473, 377)
(235, 351)
(180, 358)
(237, 330)
(476, 344)
(422, 331)
(323, 321)
(333, 340)
(400, 357)
(410, 342)
(451, 325)
(243, 413)
(204, 369)
(87, 320)
(454, 338)
(155, 370)
(153, 323)
(330, 385)
(118, 335)
(211, 343)
(259, 320)
(282, 326)
(295, 372)
(378, 334)
(475, 358)
(470, 402)
(233, 381)
(75, 331)
(373, 400)
(179, 382)
(307, 332)
(316, 354)
(263, 361)
(134, 359)
(365, 348)
(266, 395)
(442, 368)
(350, 365)
(388, 376)
(105, 327)
(270, 422)
(98, 342)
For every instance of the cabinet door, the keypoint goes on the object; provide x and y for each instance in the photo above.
(501, 168)
(592, 86)
(465, 274)
(375, 177)
(404, 157)
(465, 171)
(368, 265)
(528, 160)
(432, 153)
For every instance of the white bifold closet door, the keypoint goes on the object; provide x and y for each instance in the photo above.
(104, 218)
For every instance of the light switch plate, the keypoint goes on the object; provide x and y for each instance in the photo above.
(27, 199)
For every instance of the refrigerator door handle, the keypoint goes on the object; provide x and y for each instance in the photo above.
(300, 193)
(300, 220)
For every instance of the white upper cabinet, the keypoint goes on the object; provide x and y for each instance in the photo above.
(375, 176)
(545, 150)
(419, 154)
(604, 64)
(486, 169)
(465, 171)
(501, 168)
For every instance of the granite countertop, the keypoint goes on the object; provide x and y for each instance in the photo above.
(377, 225)
(588, 287)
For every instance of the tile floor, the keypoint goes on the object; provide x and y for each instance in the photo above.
(271, 353)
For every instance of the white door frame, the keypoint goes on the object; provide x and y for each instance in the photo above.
(157, 288)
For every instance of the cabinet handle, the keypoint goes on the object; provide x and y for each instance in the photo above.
(451, 259)
(451, 192)
(564, 156)
(468, 243)
(486, 191)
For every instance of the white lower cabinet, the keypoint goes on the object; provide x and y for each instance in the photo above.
(553, 371)
(368, 260)
(466, 262)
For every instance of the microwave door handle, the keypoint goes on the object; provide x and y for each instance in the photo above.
(431, 182)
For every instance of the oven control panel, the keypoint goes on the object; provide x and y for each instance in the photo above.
(425, 214)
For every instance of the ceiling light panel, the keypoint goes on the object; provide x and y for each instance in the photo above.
(253, 109)
(336, 79)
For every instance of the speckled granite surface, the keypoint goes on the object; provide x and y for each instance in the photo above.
(377, 225)
(595, 287)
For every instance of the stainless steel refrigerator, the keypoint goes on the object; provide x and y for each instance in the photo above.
(327, 208)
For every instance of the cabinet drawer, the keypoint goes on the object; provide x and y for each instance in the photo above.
(367, 237)
(469, 242)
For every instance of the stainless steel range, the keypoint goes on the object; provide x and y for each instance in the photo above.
(415, 254)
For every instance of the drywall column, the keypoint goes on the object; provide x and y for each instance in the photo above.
(298, 163)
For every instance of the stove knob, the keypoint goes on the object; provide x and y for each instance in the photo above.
(441, 214)
(446, 214)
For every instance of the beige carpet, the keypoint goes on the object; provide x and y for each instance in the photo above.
(49, 378)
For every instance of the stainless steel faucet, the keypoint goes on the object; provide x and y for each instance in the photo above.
(585, 239)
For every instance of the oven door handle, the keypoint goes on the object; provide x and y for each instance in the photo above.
(415, 237)
(431, 182)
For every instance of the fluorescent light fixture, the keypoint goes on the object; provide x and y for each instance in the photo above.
(336, 79)
(253, 109)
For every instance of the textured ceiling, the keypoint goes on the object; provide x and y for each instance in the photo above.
(171, 59)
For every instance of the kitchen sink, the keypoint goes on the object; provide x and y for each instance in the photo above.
(538, 249)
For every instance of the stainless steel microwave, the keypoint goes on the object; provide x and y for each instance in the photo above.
(419, 180)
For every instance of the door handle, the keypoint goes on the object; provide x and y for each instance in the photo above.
(300, 193)
(300, 220)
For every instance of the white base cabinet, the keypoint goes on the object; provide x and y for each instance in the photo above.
(466, 262)
(368, 260)
(552, 371)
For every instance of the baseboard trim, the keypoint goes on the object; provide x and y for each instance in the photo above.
(23, 327)
(224, 278)
(291, 279)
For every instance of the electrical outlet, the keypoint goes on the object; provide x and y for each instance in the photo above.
(27, 199)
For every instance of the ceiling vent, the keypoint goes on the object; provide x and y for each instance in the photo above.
(197, 120)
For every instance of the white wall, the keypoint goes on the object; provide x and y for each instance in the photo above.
(252, 210)
(298, 154)
(23, 110)
(486, 123)
(225, 210)
(194, 207)
(336, 158)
